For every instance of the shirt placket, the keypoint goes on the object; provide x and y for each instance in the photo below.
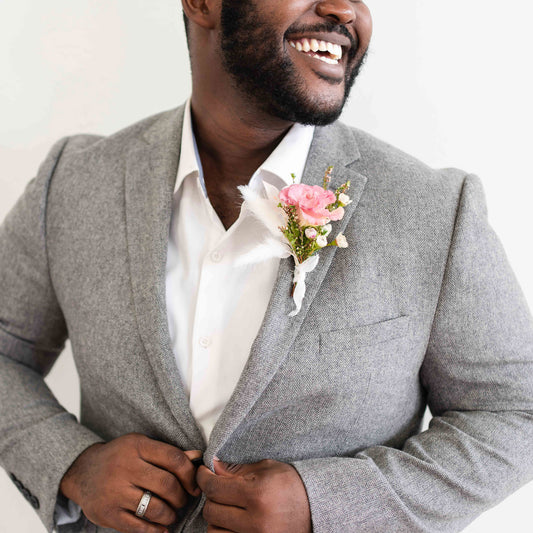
(206, 328)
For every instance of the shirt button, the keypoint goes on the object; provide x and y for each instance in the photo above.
(204, 342)
(216, 256)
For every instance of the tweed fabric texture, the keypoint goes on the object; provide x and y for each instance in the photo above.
(421, 309)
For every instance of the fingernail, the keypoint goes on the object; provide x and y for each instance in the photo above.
(216, 459)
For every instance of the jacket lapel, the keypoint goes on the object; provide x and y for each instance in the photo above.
(333, 145)
(152, 163)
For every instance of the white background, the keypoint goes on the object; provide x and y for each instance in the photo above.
(448, 82)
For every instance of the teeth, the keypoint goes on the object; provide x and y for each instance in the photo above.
(314, 45)
(328, 60)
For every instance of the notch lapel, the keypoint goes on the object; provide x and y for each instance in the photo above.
(151, 171)
(333, 145)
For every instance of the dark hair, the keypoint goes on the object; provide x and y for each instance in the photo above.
(186, 24)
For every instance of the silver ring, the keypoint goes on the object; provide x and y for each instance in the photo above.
(143, 504)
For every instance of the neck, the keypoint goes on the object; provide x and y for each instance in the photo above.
(234, 141)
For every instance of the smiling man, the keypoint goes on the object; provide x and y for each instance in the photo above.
(133, 246)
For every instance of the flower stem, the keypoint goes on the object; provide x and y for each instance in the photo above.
(292, 290)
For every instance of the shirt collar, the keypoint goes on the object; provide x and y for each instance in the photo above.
(189, 159)
(289, 157)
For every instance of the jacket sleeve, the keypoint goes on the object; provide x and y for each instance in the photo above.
(478, 375)
(39, 439)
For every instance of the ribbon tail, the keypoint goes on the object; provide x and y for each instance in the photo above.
(300, 271)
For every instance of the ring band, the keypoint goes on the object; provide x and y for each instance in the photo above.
(143, 504)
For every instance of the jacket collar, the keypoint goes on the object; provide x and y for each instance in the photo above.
(150, 179)
(333, 145)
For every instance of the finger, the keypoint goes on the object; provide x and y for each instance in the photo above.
(161, 483)
(196, 457)
(222, 489)
(194, 454)
(157, 511)
(172, 459)
(131, 524)
(215, 529)
(226, 516)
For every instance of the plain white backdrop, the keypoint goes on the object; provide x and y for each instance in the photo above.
(448, 82)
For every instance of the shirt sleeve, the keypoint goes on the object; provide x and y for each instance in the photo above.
(66, 512)
(478, 376)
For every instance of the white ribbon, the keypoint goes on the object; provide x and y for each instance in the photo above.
(300, 271)
(266, 210)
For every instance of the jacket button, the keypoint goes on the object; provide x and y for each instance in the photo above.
(34, 502)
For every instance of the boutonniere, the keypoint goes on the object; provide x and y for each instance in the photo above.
(298, 218)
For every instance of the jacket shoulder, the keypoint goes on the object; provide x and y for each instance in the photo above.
(387, 165)
(116, 143)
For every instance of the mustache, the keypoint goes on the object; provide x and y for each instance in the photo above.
(328, 27)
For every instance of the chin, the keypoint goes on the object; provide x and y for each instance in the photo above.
(320, 112)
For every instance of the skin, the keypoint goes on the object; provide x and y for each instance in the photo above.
(108, 480)
(265, 496)
(236, 126)
(236, 132)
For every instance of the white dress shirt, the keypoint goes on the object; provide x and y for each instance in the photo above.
(215, 308)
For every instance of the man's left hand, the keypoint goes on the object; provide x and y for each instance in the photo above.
(266, 496)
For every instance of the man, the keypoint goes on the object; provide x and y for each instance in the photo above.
(319, 431)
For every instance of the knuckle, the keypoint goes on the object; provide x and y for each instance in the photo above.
(169, 483)
(177, 458)
(147, 470)
(170, 518)
(162, 514)
(129, 438)
(142, 444)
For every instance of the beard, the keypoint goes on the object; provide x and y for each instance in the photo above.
(267, 77)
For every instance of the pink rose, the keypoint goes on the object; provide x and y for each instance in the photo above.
(311, 202)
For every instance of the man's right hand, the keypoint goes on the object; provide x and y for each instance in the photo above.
(108, 480)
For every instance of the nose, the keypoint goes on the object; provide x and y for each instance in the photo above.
(342, 11)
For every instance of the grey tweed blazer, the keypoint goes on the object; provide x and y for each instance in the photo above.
(421, 309)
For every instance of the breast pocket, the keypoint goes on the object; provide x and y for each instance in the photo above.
(359, 356)
(349, 339)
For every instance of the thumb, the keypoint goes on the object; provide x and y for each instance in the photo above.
(225, 469)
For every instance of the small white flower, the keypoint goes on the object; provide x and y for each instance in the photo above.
(311, 233)
(321, 241)
(344, 199)
(341, 241)
(327, 229)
